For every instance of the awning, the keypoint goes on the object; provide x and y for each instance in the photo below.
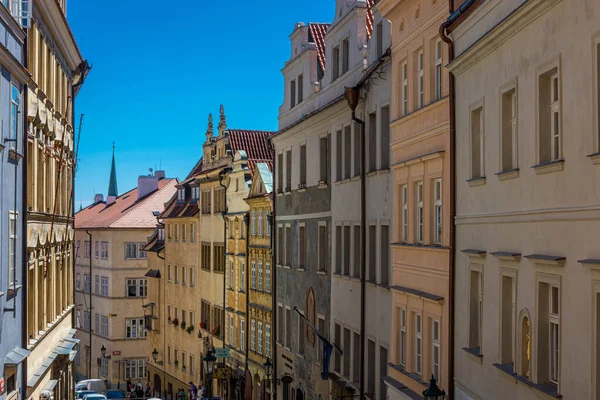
(64, 347)
(153, 273)
(51, 384)
(16, 356)
(33, 381)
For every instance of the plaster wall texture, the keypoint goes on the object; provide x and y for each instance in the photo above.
(540, 210)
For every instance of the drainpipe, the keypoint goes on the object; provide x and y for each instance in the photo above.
(352, 97)
(247, 337)
(452, 250)
(25, 253)
(90, 312)
(273, 274)
(224, 214)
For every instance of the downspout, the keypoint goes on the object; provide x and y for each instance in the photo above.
(452, 250)
(352, 96)
(164, 279)
(223, 214)
(25, 253)
(247, 337)
(273, 273)
(90, 312)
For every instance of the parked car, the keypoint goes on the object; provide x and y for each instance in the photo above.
(96, 385)
(94, 396)
(81, 393)
(115, 394)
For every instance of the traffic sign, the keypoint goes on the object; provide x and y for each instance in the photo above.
(222, 352)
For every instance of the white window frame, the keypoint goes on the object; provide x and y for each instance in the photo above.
(192, 233)
(420, 216)
(403, 337)
(267, 225)
(104, 284)
(231, 328)
(404, 216)
(231, 275)
(242, 333)
(555, 122)
(437, 211)
(435, 344)
(267, 340)
(104, 326)
(418, 351)
(13, 218)
(438, 69)
(420, 79)
(242, 287)
(253, 223)
(134, 328)
(253, 276)
(260, 223)
(192, 277)
(404, 90)
(260, 277)
(260, 338)
(252, 335)
(554, 335)
(268, 278)
(104, 250)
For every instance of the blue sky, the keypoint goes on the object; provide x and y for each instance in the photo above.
(159, 70)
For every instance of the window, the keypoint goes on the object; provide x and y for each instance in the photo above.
(96, 284)
(253, 223)
(321, 328)
(418, 344)
(97, 249)
(191, 365)
(384, 252)
(288, 245)
(553, 319)
(281, 325)
(170, 232)
(87, 283)
(183, 232)
(260, 223)
(260, 276)
(379, 39)
(339, 155)
(300, 88)
(292, 93)
(507, 304)
(477, 144)
(323, 246)
(78, 281)
(346, 251)
(267, 339)
(231, 330)
(419, 211)
(192, 233)
(372, 142)
(134, 328)
(136, 369)
(509, 131)
(205, 311)
(137, 288)
(437, 211)
(335, 60)
(338, 339)
(280, 245)
(260, 337)
(301, 246)
(357, 252)
(372, 261)
(206, 199)
(303, 164)
(357, 149)
(404, 93)
(324, 159)
(176, 232)
(192, 277)
(86, 320)
(104, 286)
(12, 243)
(438, 69)
(420, 98)
(104, 366)
(555, 118)
(280, 173)
(86, 249)
(288, 327)
(134, 251)
(404, 217)
(384, 140)
(195, 194)
(402, 337)
(268, 278)
(97, 324)
(169, 273)
(181, 195)
(169, 354)
(219, 200)
(231, 275)
(183, 276)
(347, 354)
(347, 151)
(345, 55)
(253, 276)
(268, 224)
(301, 333)
(288, 171)
(252, 335)
(242, 276)
(371, 367)
(104, 326)
(242, 334)
(176, 274)
(475, 310)
(104, 250)
(435, 348)
(356, 358)
(383, 356)
(14, 112)
(205, 256)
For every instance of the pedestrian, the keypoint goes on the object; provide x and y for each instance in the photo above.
(193, 391)
(139, 392)
(129, 386)
(148, 393)
(181, 394)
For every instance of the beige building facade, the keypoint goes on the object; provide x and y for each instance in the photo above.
(420, 162)
(57, 72)
(527, 209)
(110, 285)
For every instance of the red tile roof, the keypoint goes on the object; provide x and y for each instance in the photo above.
(127, 211)
(370, 17)
(254, 143)
(316, 34)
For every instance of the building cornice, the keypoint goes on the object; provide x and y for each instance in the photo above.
(521, 17)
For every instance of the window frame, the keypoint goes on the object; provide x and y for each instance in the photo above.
(419, 211)
(438, 69)
(438, 211)
(418, 350)
(435, 343)
(420, 79)
(404, 214)
(404, 88)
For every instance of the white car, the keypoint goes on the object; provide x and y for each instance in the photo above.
(94, 396)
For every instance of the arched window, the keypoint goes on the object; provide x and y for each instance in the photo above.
(310, 315)
(299, 394)
(524, 345)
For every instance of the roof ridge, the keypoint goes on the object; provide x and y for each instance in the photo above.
(144, 199)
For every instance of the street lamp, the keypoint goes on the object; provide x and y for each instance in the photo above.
(433, 392)
(268, 368)
(209, 365)
(155, 355)
(103, 351)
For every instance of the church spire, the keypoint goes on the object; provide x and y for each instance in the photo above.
(222, 121)
(112, 185)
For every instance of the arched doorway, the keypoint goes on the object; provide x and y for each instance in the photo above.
(299, 394)
(157, 384)
(524, 345)
(256, 395)
(248, 388)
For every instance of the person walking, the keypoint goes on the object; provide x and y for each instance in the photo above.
(193, 391)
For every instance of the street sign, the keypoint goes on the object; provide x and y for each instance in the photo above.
(116, 353)
(222, 353)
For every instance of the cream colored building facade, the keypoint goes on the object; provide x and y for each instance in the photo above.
(527, 208)
(57, 72)
(111, 300)
(420, 280)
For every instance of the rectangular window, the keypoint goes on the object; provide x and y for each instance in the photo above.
(303, 164)
(300, 88)
(420, 99)
(192, 277)
(555, 118)
(12, 251)
(372, 142)
(253, 223)
(339, 155)
(205, 311)
(371, 367)
(268, 278)
(87, 283)
(345, 55)
(206, 203)
(404, 216)
(96, 284)
(97, 323)
(260, 223)
(252, 335)
(402, 337)
(78, 281)
(339, 251)
(384, 140)
(281, 324)
(301, 246)
(507, 319)
(104, 326)
(97, 249)
(104, 366)
(475, 310)
(347, 151)
(191, 365)
(231, 331)
(321, 328)
(404, 92)
(301, 334)
(242, 279)
(384, 254)
(372, 267)
(280, 245)
(383, 372)
(323, 247)
(337, 367)
(324, 159)
(86, 249)
(134, 328)
(169, 273)
(176, 274)
(192, 233)
(268, 224)
(418, 344)
(104, 286)
(104, 248)
(267, 340)
(437, 211)
(288, 170)
(347, 354)
(14, 112)
(218, 321)
(183, 276)
(554, 322)
(335, 63)
(357, 149)
(435, 349)
(438, 69)
(293, 93)
(477, 144)
(288, 245)
(419, 211)
(183, 232)
(231, 279)
(219, 258)
(260, 277)
(356, 358)
(379, 39)
(357, 247)
(205, 257)
(288, 328)
(259, 344)
(509, 131)
(253, 276)
(137, 287)
(280, 173)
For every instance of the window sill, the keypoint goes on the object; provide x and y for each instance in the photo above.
(509, 174)
(300, 190)
(383, 171)
(300, 356)
(549, 389)
(322, 185)
(286, 267)
(476, 181)
(300, 269)
(14, 156)
(551, 166)
(595, 157)
(323, 273)
(474, 354)
(372, 173)
(355, 178)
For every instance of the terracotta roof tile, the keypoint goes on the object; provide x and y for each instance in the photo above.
(370, 17)
(127, 211)
(254, 143)
(316, 34)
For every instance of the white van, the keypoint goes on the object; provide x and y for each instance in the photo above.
(97, 385)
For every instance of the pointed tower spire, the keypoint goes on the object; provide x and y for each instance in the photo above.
(209, 129)
(112, 184)
(222, 121)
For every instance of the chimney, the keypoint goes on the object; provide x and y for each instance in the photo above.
(159, 174)
(110, 200)
(98, 198)
(147, 184)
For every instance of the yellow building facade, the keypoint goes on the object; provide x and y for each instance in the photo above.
(57, 72)
(420, 162)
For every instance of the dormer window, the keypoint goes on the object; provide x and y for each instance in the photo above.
(181, 195)
(335, 66)
(195, 194)
(161, 234)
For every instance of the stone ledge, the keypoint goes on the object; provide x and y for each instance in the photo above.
(551, 166)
